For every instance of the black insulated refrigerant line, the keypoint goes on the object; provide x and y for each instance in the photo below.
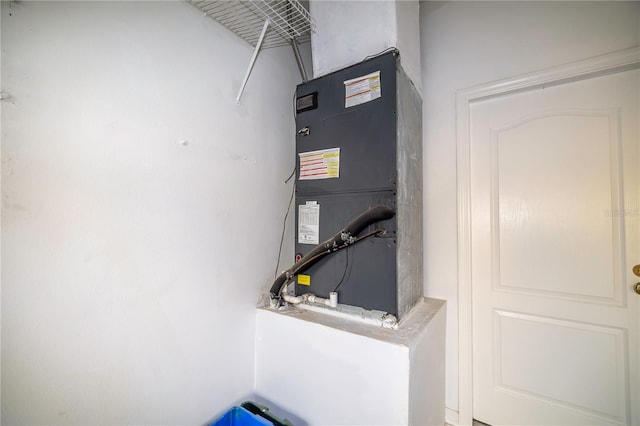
(343, 239)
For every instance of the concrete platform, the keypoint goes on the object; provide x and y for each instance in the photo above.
(331, 371)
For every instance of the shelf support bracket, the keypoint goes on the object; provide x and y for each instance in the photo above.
(296, 54)
(253, 59)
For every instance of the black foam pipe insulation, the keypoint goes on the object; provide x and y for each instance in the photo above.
(344, 238)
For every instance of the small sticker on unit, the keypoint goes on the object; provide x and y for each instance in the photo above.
(321, 164)
(362, 89)
(309, 223)
(304, 279)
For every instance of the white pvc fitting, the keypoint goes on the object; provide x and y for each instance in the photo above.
(294, 300)
(333, 299)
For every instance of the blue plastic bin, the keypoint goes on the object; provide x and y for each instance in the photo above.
(238, 416)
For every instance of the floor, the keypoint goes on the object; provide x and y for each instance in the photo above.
(475, 423)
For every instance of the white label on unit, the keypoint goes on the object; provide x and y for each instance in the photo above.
(309, 223)
(362, 89)
(322, 164)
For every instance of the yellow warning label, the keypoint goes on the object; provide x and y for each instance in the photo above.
(304, 279)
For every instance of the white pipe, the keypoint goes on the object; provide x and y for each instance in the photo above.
(332, 301)
(377, 318)
(294, 300)
(315, 299)
(253, 60)
(383, 320)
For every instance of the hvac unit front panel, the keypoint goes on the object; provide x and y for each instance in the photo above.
(365, 273)
(365, 134)
(351, 142)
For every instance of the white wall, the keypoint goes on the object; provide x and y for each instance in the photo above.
(469, 43)
(408, 39)
(132, 262)
(349, 31)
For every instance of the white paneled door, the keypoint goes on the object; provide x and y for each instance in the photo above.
(555, 227)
